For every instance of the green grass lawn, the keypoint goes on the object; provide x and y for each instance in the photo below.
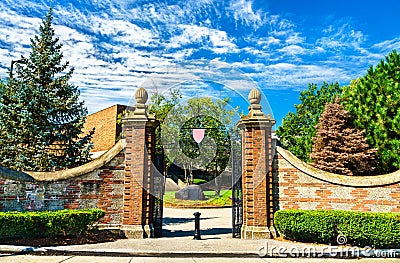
(223, 200)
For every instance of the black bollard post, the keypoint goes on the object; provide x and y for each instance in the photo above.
(197, 235)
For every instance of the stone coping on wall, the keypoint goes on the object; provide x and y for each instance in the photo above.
(80, 170)
(9, 174)
(355, 181)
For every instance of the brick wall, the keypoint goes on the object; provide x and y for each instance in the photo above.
(297, 185)
(106, 129)
(95, 185)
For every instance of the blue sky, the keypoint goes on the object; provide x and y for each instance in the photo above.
(282, 45)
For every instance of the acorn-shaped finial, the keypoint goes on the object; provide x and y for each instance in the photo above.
(141, 96)
(254, 96)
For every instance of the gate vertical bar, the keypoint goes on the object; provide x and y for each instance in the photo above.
(158, 193)
(237, 202)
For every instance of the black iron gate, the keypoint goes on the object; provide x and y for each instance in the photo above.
(237, 201)
(157, 192)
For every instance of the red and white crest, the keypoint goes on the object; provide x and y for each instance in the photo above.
(198, 134)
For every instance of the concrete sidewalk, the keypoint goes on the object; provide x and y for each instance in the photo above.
(217, 242)
(91, 259)
(183, 247)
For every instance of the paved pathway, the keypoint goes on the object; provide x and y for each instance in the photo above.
(214, 223)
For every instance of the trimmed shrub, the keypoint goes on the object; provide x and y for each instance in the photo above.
(48, 223)
(27, 224)
(380, 230)
(71, 221)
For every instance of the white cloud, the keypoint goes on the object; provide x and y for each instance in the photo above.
(293, 50)
(243, 11)
(68, 34)
(286, 75)
(179, 55)
(16, 29)
(216, 40)
(295, 39)
(253, 51)
(189, 34)
(282, 66)
(267, 41)
(387, 45)
(340, 37)
(281, 26)
(123, 31)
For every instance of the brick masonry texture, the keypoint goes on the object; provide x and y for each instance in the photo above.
(101, 188)
(255, 211)
(134, 174)
(107, 131)
(296, 185)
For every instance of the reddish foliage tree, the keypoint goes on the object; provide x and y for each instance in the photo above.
(340, 148)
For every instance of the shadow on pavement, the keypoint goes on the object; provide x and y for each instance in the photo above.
(190, 233)
(181, 220)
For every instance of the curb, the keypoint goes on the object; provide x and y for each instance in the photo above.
(376, 253)
(9, 249)
(160, 254)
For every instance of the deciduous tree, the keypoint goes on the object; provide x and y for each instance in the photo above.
(212, 154)
(160, 105)
(298, 128)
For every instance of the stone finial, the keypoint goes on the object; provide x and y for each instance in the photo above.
(255, 107)
(254, 96)
(140, 111)
(141, 96)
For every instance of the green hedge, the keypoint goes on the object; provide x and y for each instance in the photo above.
(48, 223)
(380, 230)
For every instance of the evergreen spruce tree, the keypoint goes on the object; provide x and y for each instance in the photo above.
(41, 117)
(374, 101)
(338, 147)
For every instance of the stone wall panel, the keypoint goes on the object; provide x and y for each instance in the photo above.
(297, 185)
(99, 188)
